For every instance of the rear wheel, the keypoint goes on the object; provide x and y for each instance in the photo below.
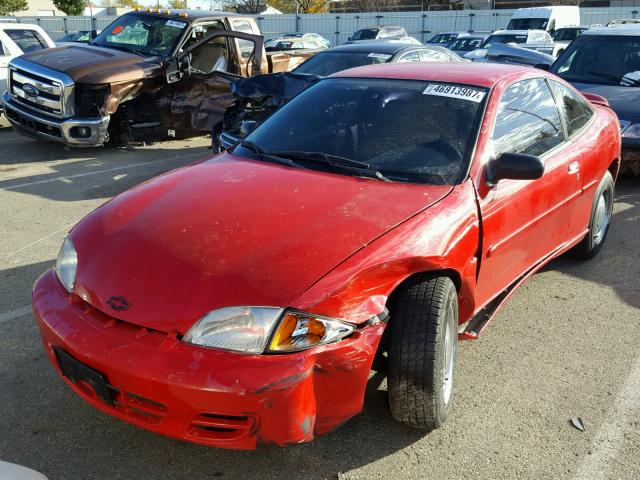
(422, 352)
(600, 220)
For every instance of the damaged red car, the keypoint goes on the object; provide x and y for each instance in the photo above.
(382, 214)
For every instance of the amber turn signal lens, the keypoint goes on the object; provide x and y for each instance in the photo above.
(298, 331)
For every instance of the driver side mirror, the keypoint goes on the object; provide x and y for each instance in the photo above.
(177, 67)
(514, 166)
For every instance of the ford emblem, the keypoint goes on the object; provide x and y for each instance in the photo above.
(30, 90)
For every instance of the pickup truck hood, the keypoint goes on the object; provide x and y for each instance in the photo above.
(95, 65)
(230, 231)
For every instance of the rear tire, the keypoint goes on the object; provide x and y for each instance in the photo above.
(422, 352)
(599, 221)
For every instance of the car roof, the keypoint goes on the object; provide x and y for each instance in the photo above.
(469, 73)
(16, 25)
(191, 15)
(374, 47)
(515, 32)
(471, 36)
(628, 29)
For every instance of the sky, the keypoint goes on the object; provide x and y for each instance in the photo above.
(202, 4)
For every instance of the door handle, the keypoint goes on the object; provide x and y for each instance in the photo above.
(574, 167)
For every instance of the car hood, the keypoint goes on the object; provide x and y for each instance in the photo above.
(229, 231)
(94, 65)
(625, 101)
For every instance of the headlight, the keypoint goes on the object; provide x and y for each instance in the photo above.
(66, 264)
(298, 331)
(243, 329)
(248, 330)
(632, 131)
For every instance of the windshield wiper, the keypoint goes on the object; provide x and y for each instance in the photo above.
(610, 76)
(334, 161)
(117, 47)
(267, 156)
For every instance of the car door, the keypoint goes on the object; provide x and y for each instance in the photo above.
(201, 78)
(577, 115)
(524, 221)
(4, 61)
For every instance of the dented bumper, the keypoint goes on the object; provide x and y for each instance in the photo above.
(203, 395)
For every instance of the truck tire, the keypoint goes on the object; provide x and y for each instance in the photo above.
(422, 351)
(599, 221)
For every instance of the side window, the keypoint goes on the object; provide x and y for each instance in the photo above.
(577, 112)
(409, 57)
(200, 31)
(245, 47)
(211, 57)
(527, 120)
(433, 56)
(3, 52)
(27, 40)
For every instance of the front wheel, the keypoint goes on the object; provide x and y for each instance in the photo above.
(599, 221)
(422, 351)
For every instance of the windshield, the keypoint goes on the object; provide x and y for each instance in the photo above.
(528, 24)
(408, 130)
(443, 38)
(599, 59)
(366, 34)
(142, 34)
(567, 34)
(504, 38)
(466, 44)
(326, 63)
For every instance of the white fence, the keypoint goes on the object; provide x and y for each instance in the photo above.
(337, 27)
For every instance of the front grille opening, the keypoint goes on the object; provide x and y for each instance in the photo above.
(215, 429)
(216, 426)
(242, 418)
(33, 125)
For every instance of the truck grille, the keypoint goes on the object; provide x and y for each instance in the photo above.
(37, 92)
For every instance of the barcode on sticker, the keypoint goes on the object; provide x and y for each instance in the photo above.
(173, 23)
(452, 91)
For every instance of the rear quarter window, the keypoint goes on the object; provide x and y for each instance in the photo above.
(577, 112)
(27, 40)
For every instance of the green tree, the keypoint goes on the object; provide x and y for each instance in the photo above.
(176, 4)
(70, 7)
(8, 7)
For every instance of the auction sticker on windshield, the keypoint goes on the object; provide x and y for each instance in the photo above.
(173, 23)
(453, 91)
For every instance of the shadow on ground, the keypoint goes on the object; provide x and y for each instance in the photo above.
(611, 267)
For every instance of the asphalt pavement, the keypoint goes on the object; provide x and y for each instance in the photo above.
(567, 345)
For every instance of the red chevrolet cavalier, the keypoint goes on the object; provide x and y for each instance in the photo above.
(383, 213)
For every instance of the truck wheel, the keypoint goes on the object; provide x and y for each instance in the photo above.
(599, 222)
(422, 352)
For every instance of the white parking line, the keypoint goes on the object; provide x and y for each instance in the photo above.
(94, 172)
(66, 227)
(13, 314)
(608, 441)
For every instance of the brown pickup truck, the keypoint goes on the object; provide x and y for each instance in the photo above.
(148, 75)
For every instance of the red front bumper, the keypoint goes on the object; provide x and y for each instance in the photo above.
(205, 395)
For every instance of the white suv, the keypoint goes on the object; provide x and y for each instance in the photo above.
(16, 39)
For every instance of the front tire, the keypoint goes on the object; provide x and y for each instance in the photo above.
(599, 221)
(422, 352)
